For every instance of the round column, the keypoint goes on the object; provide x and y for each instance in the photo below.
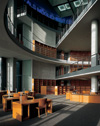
(94, 43)
(94, 53)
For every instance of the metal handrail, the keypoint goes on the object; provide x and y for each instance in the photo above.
(74, 19)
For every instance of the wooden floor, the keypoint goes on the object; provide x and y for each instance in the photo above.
(65, 113)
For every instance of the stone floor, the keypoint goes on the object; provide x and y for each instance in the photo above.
(65, 113)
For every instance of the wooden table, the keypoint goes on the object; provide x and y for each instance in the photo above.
(85, 98)
(7, 103)
(27, 109)
(2, 92)
(24, 110)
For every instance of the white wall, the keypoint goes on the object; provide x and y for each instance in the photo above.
(44, 35)
(27, 75)
(43, 70)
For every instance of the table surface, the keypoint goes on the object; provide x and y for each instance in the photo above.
(86, 94)
(31, 101)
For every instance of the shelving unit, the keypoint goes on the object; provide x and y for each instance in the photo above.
(60, 91)
(79, 55)
(45, 50)
(41, 82)
(36, 85)
(81, 86)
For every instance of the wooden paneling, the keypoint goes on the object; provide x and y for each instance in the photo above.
(40, 82)
(45, 50)
(47, 90)
(82, 86)
(80, 55)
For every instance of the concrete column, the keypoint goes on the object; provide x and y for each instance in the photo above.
(94, 84)
(11, 74)
(94, 53)
(27, 75)
(94, 43)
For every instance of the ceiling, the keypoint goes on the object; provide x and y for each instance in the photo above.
(66, 8)
(80, 37)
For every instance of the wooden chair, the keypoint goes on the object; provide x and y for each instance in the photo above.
(26, 92)
(23, 98)
(20, 92)
(16, 95)
(42, 105)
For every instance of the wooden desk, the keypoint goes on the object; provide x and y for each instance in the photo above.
(7, 103)
(2, 92)
(24, 110)
(68, 94)
(27, 109)
(85, 98)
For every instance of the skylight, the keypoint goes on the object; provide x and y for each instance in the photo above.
(79, 3)
(64, 7)
(67, 6)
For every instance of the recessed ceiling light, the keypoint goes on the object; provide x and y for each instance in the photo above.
(62, 7)
(67, 6)
(77, 3)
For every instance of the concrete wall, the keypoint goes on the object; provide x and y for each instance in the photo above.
(44, 35)
(43, 70)
(27, 75)
(27, 36)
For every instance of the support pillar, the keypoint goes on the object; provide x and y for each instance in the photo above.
(94, 53)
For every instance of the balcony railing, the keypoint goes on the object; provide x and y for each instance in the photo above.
(79, 65)
(76, 18)
(26, 10)
(37, 47)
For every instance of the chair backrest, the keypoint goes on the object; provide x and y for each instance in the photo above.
(26, 92)
(20, 92)
(42, 102)
(23, 97)
(16, 95)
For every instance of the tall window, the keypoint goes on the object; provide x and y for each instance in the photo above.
(19, 75)
(0, 74)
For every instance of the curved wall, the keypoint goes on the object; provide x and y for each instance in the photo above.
(44, 35)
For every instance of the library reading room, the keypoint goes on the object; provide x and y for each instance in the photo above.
(49, 63)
